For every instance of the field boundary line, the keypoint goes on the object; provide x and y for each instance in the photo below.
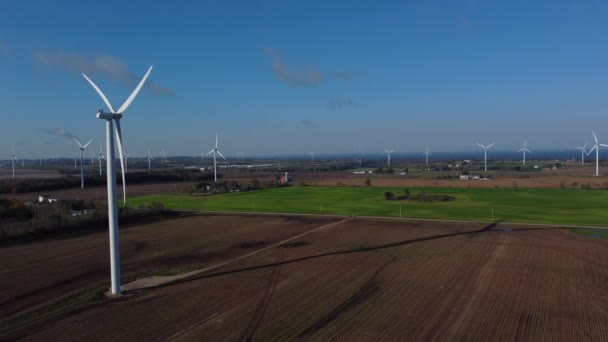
(501, 222)
(155, 281)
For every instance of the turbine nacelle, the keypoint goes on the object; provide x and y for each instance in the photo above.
(108, 116)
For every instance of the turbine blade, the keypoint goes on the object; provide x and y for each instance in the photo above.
(521, 150)
(604, 145)
(221, 155)
(528, 151)
(87, 144)
(492, 144)
(480, 145)
(209, 152)
(78, 142)
(122, 159)
(216, 140)
(594, 136)
(591, 150)
(135, 92)
(103, 97)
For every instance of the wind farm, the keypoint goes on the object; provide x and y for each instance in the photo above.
(346, 199)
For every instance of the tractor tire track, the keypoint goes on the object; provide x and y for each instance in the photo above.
(264, 303)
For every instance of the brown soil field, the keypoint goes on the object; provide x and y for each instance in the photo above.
(375, 279)
(502, 181)
(100, 192)
(6, 172)
(33, 273)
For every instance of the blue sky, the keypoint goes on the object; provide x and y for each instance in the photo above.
(300, 76)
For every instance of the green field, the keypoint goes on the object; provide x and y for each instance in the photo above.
(555, 206)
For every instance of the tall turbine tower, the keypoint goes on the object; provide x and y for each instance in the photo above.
(215, 151)
(388, 155)
(524, 150)
(427, 154)
(485, 154)
(150, 158)
(583, 152)
(596, 147)
(81, 147)
(13, 160)
(112, 117)
(100, 157)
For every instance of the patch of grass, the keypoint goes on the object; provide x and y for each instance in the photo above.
(76, 302)
(591, 233)
(550, 206)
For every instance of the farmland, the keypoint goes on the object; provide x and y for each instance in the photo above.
(547, 206)
(364, 279)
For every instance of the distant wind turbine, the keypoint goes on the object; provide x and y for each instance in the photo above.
(524, 150)
(427, 154)
(485, 154)
(388, 154)
(215, 151)
(312, 157)
(150, 159)
(583, 152)
(13, 160)
(100, 157)
(596, 147)
(82, 147)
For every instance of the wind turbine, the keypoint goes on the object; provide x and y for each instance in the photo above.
(524, 150)
(162, 154)
(100, 157)
(82, 160)
(485, 154)
(110, 118)
(150, 158)
(596, 147)
(388, 153)
(583, 152)
(75, 155)
(126, 155)
(312, 157)
(427, 154)
(215, 151)
(14, 159)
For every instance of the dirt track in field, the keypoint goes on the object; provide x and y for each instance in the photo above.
(374, 279)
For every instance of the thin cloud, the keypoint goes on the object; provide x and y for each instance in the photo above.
(59, 132)
(340, 103)
(309, 124)
(305, 77)
(105, 65)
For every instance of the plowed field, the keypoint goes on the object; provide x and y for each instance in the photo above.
(375, 279)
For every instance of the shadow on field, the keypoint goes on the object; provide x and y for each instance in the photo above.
(471, 234)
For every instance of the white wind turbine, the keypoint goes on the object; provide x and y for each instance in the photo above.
(524, 150)
(583, 152)
(215, 151)
(163, 155)
(312, 157)
(427, 154)
(596, 147)
(112, 117)
(150, 159)
(388, 154)
(13, 160)
(82, 147)
(100, 157)
(485, 154)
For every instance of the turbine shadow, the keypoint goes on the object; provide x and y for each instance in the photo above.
(472, 234)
